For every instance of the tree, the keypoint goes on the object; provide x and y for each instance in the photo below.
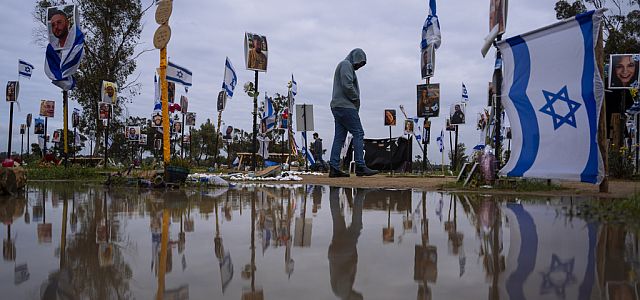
(461, 157)
(112, 30)
(621, 30)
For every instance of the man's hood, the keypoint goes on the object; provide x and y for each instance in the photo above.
(356, 55)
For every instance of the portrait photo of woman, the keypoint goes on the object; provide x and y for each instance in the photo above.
(623, 71)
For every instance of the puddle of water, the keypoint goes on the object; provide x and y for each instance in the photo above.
(319, 242)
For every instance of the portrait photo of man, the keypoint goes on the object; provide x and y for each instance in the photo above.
(428, 100)
(457, 114)
(228, 133)
(427, 62)
(222, 99)
(109, 92)
(38, 127)
(157, 144)
(389, 117)
(60, 25)
(47, 108)
(156, 119)
(12, 91)
(256, 52)
(133, 133)
(104, 110)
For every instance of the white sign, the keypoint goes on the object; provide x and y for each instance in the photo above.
(304, 117)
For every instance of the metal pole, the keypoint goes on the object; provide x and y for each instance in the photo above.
(455, 152)
(215, 159)
(390, 152)
(65, 112)
(44, 152)
(306, 155)
(254, 150)
(106, 139)
(425, 132)
(22, 148)
(10, 130)
(28, 145)
(182, 142)
(75, 146)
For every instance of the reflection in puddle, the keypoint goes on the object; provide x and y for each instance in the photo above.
(289, 242)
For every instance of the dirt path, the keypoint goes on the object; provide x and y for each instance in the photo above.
(617, 188)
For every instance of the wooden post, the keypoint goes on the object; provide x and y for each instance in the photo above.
(164, 96)
(10, 129)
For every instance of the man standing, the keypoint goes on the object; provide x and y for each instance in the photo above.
(316, 151)
(345, 105)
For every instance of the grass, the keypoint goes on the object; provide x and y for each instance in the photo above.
(626, 211)
(62, 173)
(522, 186)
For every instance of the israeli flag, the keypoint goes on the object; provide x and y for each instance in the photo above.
(440, 141)
(548, 258)
(294, 86)
(465, 94)
(553, 94)
(230, 78)
(61, 65)
(157, 103)
(178, 74)
(269, 114)
(24, 68)
(431, 29)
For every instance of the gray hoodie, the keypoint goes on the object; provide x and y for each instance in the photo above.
(346, 92)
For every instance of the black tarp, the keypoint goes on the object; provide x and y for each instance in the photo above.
(377, 154)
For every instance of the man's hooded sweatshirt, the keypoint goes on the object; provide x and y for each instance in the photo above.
(346, 92)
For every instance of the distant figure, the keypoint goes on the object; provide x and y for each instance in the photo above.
(345, 106)
(316, 151)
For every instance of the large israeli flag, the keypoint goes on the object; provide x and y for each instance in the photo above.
(552, 94)
(549, 256)
(178, 74)
(230, 78)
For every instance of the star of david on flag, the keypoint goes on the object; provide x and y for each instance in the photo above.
(230, 78)
(558, 120)
(553, 96)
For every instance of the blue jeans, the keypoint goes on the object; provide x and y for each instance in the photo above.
(347, 120)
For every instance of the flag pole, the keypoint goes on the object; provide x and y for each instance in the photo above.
(602, 125)
(10, 128)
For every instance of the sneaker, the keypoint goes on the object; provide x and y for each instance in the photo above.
(333, 172)
(364, 171)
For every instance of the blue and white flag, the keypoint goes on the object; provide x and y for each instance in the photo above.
(25, 69)
(268, 115)
(431, 29)
(553, 94)
(62, 64)
(157, 103)
(178, 74)
(294, 86)
(547, 259)
(465, 94)
(440, 141)
(230, 78)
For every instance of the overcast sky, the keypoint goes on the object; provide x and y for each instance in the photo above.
(306, 38)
